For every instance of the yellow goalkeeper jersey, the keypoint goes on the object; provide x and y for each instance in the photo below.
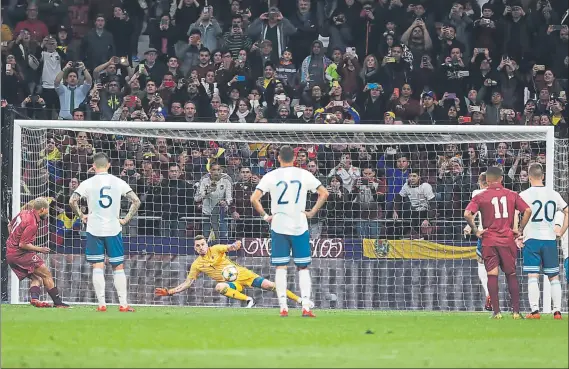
(213, 262)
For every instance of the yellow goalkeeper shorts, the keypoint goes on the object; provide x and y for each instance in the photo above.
(250, 280)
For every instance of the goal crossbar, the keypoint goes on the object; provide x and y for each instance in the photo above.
(306, 133)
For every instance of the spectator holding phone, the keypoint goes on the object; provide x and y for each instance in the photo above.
(36, 107)
(346, 171)
(486, 31)
(167, 88)
(129, 174)
(71, 95)
(517, 30)
(559, 46)
(462, 22)
(417, 39)
(369, 195)
(454, 73)
(348, 69)
(272, 26)
(122, 29)
(397, 70)
(111, 68)
(152, 68)
(508, 117)
(511, 83)
(480, 70)
(52, 60)
(403, 104)
(163, 37)
(111, 97)
(13, 87)
(209, 29)
(236, 40)
(372, 102)
(35, 27)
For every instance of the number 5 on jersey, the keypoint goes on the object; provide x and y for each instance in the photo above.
(105, 201)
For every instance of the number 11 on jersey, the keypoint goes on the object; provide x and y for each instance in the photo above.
(504, 202)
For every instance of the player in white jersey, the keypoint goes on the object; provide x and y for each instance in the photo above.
(103, 192)
(288, 187)
(482, 273)
(540, 240)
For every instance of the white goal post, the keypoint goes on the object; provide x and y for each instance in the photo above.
(389, 269)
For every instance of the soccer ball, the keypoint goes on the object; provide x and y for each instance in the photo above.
(229, 273)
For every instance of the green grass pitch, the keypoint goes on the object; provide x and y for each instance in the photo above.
(208, 337)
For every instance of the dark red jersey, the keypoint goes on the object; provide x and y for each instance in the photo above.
(24, 228)
(497, 206)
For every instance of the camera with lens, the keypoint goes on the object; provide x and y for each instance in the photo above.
(340, 18)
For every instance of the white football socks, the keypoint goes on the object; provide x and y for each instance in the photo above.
(280, 287)
(483, 275)
(556, 294)
(120, 285)
(533, 293)
(305, 285)
(99, 284)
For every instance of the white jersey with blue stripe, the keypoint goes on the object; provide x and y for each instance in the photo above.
(544, 203)
(474, 194)
(103, 192)
(288, 188)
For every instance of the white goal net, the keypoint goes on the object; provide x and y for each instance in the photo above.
(389, 237)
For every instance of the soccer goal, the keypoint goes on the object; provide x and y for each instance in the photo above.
(391, 235)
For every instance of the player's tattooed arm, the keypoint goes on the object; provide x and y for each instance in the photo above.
(74, 204)
(134, 205)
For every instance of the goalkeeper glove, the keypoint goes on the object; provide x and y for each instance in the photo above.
(566, 266)
(162, 292)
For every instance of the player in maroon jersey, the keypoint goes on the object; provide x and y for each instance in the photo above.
(21, 253)
(497, 206)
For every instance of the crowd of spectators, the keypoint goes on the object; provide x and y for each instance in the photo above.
(455, 62)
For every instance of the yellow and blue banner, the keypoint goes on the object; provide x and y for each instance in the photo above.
(415, 249)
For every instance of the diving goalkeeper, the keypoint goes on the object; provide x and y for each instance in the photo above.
(211, 261)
